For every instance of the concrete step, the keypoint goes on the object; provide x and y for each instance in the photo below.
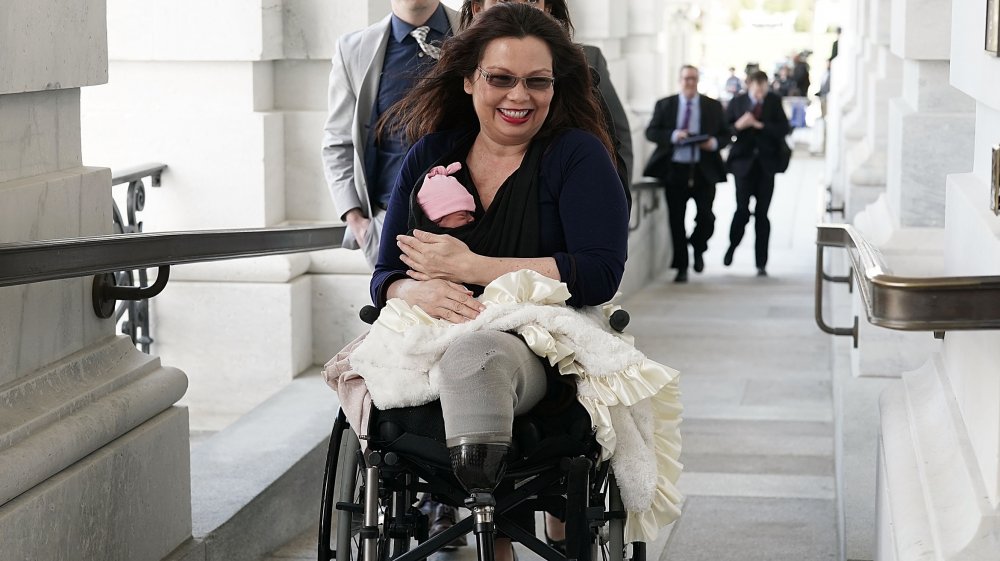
(256, 484)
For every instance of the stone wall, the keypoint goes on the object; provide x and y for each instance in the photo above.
(236, 111)
(94, 455)
(938, 473)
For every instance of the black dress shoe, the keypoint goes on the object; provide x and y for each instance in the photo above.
(761, 272)
(699, 262)
(682, 276)
(728, 259)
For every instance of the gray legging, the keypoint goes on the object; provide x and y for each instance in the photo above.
(486, 378)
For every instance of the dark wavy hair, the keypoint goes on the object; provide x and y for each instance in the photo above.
(438, 100)
(556, 8)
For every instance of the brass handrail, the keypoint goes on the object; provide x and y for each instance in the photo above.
(936, 304)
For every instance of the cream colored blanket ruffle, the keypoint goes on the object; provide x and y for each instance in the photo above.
(633, 401)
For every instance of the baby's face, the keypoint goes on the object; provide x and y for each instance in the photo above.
(455, 219)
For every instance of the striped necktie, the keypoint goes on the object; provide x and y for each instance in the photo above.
(420, 34)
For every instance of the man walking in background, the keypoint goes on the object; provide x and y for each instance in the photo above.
(372, 69)
(759, 123)
(689, 129)
(732, 87)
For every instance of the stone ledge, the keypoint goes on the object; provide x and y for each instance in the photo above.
(339, 261)
(130, 499)
(268, 269)
(257, 484)
(932, 499)
(78, 406)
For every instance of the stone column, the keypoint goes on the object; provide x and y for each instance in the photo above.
(931, 127)
(93, 454)
(237, 112)
(939, 459)
(649, 63)
(866, 162)
(630, 36)
(848, 79)
(931, 130)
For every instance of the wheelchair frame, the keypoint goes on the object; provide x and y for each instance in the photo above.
(378, 522)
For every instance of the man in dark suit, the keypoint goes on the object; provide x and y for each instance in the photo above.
(759, 124)
(688, 129)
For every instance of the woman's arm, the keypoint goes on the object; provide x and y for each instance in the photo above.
(440, 256)
(594, 218)
(388, 266)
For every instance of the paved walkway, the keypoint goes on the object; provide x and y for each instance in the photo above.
(758, 429)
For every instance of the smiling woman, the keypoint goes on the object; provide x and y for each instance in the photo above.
(511, 113)
(512, 101)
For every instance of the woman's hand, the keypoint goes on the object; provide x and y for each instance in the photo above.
(435, 256)
(439, 298)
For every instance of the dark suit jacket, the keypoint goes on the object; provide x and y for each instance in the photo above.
(750, 143)
(661, 128)
(622, 136)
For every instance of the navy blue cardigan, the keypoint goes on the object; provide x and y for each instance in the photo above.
(582, 213)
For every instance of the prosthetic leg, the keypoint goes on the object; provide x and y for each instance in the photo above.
(479, 468)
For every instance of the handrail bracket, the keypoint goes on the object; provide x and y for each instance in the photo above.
(821, 275)
(106, 293)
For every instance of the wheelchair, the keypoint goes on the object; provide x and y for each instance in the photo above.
(368, 507)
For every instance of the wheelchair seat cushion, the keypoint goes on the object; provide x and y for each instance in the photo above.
(418, 432)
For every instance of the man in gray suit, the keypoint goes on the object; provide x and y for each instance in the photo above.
(372, 69)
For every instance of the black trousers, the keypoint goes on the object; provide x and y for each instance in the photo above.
(687, 182)
(759, 185)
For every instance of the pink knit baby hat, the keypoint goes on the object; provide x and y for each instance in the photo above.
(441, 194)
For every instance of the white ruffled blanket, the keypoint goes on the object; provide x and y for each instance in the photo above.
(632, 401)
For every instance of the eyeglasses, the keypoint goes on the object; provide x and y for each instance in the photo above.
(510, 82)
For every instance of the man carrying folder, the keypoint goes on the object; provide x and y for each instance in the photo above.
(689, 129)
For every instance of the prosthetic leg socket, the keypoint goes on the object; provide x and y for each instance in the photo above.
(479, 467)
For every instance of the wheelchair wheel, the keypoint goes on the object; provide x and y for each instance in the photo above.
(616, 526)
(350, 490)
(341, 512)
(355, 498)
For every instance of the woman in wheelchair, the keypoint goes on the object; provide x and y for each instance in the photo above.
(511, 99)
